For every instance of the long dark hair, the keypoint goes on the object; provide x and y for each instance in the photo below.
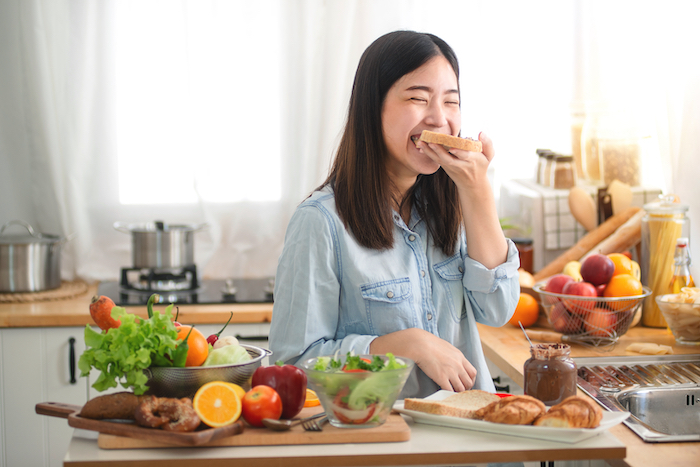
(359, 176)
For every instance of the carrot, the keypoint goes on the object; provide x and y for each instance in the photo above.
(101, 312)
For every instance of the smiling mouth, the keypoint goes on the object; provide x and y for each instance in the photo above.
(415, 139)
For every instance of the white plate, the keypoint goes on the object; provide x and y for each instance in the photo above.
(562, 435)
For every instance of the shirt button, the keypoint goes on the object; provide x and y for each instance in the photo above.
(430, 316)
(461, 269)
(411, 238)
(422, 273)
(390, 294)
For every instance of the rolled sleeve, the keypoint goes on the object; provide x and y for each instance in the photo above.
(478, 278)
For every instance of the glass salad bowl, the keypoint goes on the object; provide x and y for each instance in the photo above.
(357, 391)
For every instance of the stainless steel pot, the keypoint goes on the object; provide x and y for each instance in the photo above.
(30, 262)
(160, 245)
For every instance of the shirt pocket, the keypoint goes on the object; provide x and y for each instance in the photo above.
(389, 306)
(450, 275)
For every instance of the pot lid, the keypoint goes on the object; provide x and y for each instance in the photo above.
(25, 238)
(157, 226)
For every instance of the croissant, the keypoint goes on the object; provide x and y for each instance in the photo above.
(572, 412)
(514, 410)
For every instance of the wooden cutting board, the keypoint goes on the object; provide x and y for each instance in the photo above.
(394, 429)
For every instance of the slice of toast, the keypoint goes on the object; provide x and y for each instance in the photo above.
(450, 141)
(461, 404)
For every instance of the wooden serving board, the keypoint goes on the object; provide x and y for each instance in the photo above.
(129, 430)
(395, 429)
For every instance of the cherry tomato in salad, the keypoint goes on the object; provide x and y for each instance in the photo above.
(348, 416)
(261, 402)
(357, 370)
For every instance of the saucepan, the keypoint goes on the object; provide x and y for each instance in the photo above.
(160, 245)
(30, 261)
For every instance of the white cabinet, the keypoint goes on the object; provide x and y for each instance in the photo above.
(35, 367)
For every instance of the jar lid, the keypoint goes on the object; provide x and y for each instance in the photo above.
(522, 241)
(564, 158)
(667, 204)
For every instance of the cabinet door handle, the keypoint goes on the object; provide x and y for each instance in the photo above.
(71, 360)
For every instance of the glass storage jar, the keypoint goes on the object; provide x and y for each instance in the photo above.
(663, 224)
(563, 173)
(550, 373)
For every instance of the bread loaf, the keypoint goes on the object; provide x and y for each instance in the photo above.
(119, 406)
(514, 410)
(461, 404)
(586, 243)
(450, 141)
(625, 237)
(572, 412)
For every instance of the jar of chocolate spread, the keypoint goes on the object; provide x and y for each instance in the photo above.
(550, 373)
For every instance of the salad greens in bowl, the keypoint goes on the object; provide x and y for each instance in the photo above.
(357, 391)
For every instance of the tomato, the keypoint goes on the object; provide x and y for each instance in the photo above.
(347, 416)
(261, 402)
(357, 370)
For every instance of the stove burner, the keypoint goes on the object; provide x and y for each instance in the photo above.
(160, 280)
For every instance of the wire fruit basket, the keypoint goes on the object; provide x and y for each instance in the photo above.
(598, 321)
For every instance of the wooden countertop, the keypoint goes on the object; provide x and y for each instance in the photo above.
(76, 312)
(508, 349)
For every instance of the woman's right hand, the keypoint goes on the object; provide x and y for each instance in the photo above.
(441, 361)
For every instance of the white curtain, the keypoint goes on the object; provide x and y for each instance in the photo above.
(58, 106)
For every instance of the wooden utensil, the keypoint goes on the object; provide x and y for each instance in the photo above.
(583, 208)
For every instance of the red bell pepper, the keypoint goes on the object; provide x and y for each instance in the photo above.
(289, 382)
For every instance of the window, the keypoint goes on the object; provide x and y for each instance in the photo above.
(197, 101)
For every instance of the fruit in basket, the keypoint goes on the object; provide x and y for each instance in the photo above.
(556, 283)
(526, 311)
(583, 289)
(573, 270)
(597, 269)
(623, 264)
(622, 285)
(198, 346)
(101, 312)
(564, 322)
(600, 322)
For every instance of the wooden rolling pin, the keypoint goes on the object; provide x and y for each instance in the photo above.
(593, 239)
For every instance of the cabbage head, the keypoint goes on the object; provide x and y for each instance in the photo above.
(227, 355)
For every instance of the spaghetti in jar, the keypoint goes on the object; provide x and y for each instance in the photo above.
(663, 224)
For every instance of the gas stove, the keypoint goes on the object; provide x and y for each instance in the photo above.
(182, 286)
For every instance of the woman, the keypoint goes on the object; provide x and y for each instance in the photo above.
(400, 250)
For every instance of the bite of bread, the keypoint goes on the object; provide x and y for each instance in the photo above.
(450, 141)
(572, 412)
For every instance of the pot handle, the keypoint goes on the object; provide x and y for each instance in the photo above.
(122, 227)
(24, 224)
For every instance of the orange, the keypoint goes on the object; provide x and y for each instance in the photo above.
(623, 265)
(311, 399)
(239, 390)
(527, 311)
(217, 404)
(198, 345)
(622, 285)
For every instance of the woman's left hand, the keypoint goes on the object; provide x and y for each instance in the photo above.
(468, 169)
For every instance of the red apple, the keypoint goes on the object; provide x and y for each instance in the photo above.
(597, 269)
(563, 321)
(583, 289)
(556, 283)
(600, 289)
(600, 322)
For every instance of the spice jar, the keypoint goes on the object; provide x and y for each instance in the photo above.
(525, 251)
(546, 172)
(550, 373)
(541, 163)
(663, 224)
(563, 173)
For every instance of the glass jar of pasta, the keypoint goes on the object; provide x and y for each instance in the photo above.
(664, 222)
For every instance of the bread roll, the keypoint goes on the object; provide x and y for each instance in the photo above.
(119, 406)
(514, 410)
(450, 141)
(462, 404)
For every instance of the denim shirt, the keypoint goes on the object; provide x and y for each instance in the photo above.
(332, 294)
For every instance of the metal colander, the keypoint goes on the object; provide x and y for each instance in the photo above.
(184, 382)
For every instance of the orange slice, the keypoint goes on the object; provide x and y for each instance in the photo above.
(311, 399)
(217, 404)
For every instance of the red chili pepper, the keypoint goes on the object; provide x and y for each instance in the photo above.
(289, 382)
(215, 337)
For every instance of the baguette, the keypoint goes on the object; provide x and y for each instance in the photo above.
(450, 141)
(624, 238)
(586, 243)
(462, 404)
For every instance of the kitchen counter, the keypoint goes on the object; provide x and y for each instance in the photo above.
(76, 312)
(508, 349)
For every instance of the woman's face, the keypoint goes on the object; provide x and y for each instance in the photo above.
(424, 99)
